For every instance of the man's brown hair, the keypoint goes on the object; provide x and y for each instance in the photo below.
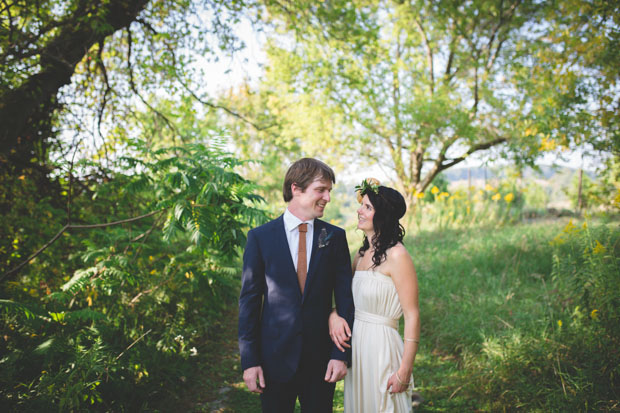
(303, 172)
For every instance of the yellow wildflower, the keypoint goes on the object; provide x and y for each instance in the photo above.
(434, 190)
(594, 314)
(419, 195)
(598, 248)
(488, 188)
(509, 197)
(560, 323)
(547, 144)
(570, 227)
(496, 197)
(558, 240)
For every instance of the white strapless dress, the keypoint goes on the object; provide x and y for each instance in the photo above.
(376, 346)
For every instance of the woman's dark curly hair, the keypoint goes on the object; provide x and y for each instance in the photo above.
(389, 207)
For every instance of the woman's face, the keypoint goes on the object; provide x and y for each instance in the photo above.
(365, 213)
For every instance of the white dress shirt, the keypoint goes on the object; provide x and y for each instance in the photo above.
(291, 226)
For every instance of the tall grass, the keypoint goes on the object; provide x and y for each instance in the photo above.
(519, 318)
(463, 207)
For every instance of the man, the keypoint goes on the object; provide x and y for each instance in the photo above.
(291, 268)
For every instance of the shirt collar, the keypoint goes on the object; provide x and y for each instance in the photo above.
(291, 222)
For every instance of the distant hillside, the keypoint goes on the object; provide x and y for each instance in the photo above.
(553, 181)
(545, 173)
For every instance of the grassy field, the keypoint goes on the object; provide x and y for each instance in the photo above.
(513, 318)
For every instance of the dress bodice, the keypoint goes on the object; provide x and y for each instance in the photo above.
(374, 292)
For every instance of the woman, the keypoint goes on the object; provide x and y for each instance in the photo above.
(385, 286)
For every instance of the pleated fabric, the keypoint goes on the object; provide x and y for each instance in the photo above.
(376, 347)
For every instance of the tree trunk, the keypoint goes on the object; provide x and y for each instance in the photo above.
(579, 200)
(26, 112)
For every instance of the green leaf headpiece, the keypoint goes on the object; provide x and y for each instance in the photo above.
(368, 184)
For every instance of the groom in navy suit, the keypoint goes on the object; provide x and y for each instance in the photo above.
(292, 266)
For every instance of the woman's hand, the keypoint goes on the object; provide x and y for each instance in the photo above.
(339, 330)
(398, 385)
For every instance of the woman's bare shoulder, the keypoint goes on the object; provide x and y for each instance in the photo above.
(398, 251)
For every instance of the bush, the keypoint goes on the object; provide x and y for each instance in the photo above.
(112, 323)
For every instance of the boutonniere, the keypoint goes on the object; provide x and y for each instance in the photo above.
(324, 238)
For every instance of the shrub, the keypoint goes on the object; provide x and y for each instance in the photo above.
(113, 321)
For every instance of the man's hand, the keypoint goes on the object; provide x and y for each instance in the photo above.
(254, 379)
(336, 370)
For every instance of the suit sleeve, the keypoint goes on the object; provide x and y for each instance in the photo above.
(250, 303)
(342, 291)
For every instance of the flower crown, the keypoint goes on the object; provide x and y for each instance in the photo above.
(368, 184)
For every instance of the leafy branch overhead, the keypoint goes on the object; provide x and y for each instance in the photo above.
(41, 45)
(422, 86)
(77, 67)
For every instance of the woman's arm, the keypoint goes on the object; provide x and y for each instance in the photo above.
(405, 280)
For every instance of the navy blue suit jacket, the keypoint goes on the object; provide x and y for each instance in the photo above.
(277, 325)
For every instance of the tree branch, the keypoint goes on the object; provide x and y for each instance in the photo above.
(26, 110)
(67, 227)
(133, 87)
(437, 164)
(429, 54)
(475, 148)
(132, 344)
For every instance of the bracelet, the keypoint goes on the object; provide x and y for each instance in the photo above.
(412, 339)
(408, 384)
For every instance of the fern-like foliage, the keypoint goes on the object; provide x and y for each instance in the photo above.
(18, 309)
(119, 302)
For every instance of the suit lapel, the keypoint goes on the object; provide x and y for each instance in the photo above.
(315, 257)
(281, 242)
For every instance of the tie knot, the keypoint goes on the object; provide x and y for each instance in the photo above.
(303, 227)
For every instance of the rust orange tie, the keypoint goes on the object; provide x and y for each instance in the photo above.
(302, 266)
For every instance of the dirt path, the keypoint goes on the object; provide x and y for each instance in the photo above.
(218, 386)
(223, 389)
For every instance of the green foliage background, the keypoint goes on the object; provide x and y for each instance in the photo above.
(109, 316)
(126, 188)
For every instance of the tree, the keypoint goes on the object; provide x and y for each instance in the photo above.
(423, 85)
(72, 71)
(41, 44)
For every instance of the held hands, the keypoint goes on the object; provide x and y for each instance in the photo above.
(336, 370)
(254, 379)
(339, 331)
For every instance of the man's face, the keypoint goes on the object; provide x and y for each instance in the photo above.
(311, 202)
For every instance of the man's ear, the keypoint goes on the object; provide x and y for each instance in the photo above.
(295, 187)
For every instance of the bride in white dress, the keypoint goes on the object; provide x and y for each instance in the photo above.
(385, 286)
